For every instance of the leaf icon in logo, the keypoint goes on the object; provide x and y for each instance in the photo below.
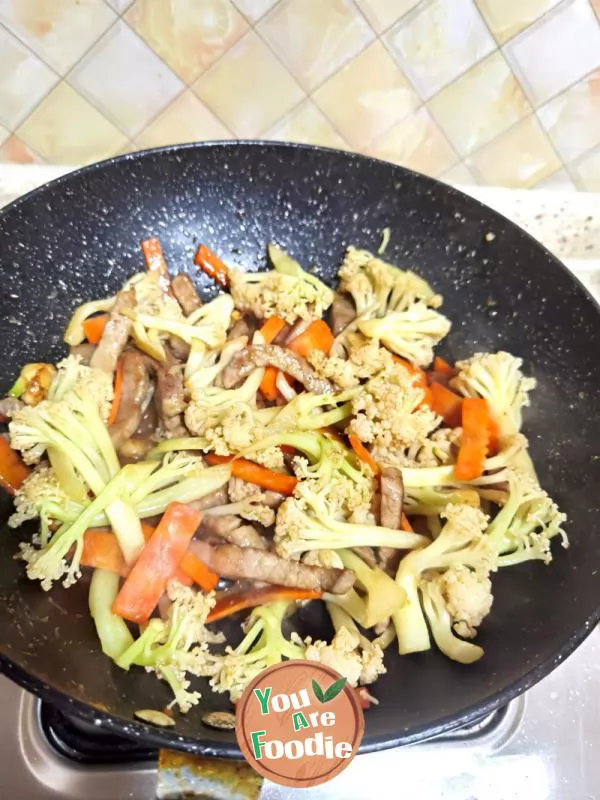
(318, 692)
(329, 694)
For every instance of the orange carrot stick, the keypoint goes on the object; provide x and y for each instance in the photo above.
(197, 570)
(257, 474)
(211, 265)
(446, 403)
(317, 336)
(231, 602)
(155, 262)
(362, 453)
(114, 409)
(269, 331)
(157, 563)
(13, 470)
(94, 328)
(475, 439)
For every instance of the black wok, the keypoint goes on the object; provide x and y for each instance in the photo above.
(78, 238)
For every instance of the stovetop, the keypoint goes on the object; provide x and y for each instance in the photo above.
(542, 746)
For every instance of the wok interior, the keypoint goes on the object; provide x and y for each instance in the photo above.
(78, 239)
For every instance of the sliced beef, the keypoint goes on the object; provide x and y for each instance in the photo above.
(367, 554)
(388, 560)
(85, 351)
(135, 449)
(238, 369)
(186, 293)
(343, 313)
(233, 562)
(246, 325)
(115, 335)
(233, 530)
(291, 364)
(392, 497)
(217, 498)
(134, 391)
(289, 333)
(180, 349)
(9, 407)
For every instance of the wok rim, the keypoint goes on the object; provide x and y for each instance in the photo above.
(167, 738)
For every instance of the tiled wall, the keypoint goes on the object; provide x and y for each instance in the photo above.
(496, 92)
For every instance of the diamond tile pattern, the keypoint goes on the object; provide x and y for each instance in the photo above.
(125, 79)
(291, 30)
(502, 92)
(58, 31)
(24, 80)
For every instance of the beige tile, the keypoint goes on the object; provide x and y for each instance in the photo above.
(557, 51)
(119, 5)
(306, 125)
(586, 172)
(417, 143)
(572, 119)
(367, 96)
(518, 159)
(383, 13)
(186, 120)
(249, 89)
(187, 34)
(438, 41)
(59, 31)
(254, 9)
(506, 18)
(479, 105)
(125, 79)
(14, 151)
(314, 38)
(4, 134)
(24, 80)
(559, 181)
(460, 175)
(66, 129)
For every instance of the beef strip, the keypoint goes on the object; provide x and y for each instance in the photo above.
(233, 562)
(85, 351)
(292, 331)
(233, 530)
(186, 293)
(115, 335)
(217, 498)
(246, 325)
(292, 364)
(169, 397)
(134, 391)
(181, 349)
(9, 407)
(367, 554)
(390, 515)
(343, 313)
(135, 449)
(238, 369)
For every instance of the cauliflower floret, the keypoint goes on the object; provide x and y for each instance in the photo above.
(498, 378)
(350, 654)
(438, 449)
(73, 376)
(411, 334)
(387, 414)
(268, 294)
(365, 358)
(270, 457)
(240, 490)
(37, 496)
(468, 597)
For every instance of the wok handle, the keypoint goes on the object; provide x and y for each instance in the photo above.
(187, 776)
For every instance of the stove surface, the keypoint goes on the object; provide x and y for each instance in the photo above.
(542, 746)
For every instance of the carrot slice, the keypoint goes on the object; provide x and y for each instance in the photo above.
(114, 409)
(155, 262)
(257, 474)
(271, 328)
(443, 367)
(157, 563)
(197, 570)
(446, 403)
(405, 524)
(268, 385)
(475, 439)
(317, 336)
(362, 453)
(231, 602)
(13, 470)
(211, 265)
(94, 328)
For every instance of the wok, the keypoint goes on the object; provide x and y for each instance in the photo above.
(78, 238)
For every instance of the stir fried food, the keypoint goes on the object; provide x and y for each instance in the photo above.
(281, 444)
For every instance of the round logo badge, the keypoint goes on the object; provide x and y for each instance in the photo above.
(299, 723)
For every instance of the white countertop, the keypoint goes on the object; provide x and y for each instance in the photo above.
(567, 223)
